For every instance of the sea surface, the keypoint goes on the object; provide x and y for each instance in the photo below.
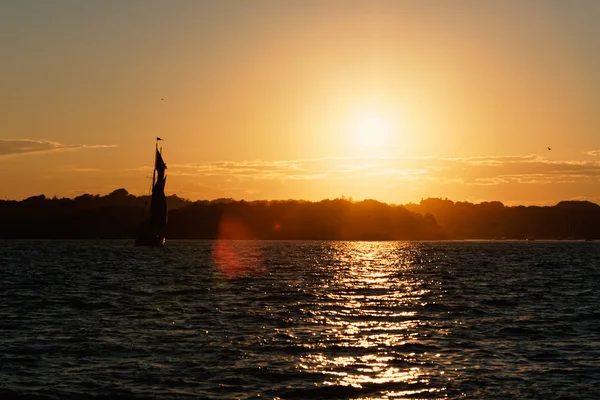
(299, 320)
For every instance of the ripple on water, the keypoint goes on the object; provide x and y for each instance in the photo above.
(200, 319)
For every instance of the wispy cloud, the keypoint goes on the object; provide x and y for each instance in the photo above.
(252, 170)
(17, 147)
(593, 153)
(387, 178)
(85, 170)
(480, 171)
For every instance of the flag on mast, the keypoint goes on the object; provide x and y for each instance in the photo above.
(157, 138)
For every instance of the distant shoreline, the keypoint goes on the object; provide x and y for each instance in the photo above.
(119, 215)
(170, 240)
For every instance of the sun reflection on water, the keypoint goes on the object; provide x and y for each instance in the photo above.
(366, 326)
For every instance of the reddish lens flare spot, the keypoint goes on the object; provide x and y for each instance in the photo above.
(234, 253)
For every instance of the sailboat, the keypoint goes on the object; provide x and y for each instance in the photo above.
(152, 233)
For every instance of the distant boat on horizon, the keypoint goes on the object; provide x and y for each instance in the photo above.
(152, 232)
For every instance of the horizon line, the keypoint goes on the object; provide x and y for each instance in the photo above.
(342, 197)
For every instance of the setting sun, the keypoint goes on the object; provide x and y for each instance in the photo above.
(371, 131)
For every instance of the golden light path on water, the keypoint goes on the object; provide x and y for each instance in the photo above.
(367, 320)
(364, 315)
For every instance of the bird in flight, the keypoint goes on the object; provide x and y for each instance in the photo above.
(549, 148)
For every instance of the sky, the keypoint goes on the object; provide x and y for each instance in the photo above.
(389, 100)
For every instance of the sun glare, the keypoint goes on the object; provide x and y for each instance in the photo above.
(371, 131)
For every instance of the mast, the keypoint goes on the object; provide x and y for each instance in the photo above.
(154, 170)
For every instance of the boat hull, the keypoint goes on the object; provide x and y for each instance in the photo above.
(150, 239)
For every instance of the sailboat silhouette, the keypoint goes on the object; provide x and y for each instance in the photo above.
(152, 233)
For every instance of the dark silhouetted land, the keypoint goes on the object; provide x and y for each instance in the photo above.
(119, 214)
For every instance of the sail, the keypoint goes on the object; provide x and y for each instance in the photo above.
(158, 205)
(160, 165)
(158, 208)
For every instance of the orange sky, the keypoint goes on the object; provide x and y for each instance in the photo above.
(303, 99)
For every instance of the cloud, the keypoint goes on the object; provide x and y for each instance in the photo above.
(389, 178)
(85, 170)
(251, 170)
(17, 147)
(477, 171)
(593, 153)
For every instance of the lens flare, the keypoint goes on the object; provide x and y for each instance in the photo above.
(234, 244)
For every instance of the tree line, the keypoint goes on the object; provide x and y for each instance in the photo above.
(120, 214)
(493, 220)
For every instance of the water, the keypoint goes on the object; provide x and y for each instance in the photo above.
(300, 320)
